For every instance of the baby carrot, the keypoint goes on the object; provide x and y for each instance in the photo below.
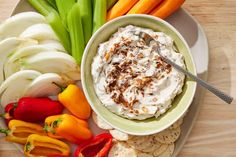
(120, 8)
(166, 8)
(144, 6)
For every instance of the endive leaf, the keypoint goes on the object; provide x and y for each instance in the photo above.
(7, 48)
(39, 32)
(53, 44)
(56, 62)
(43, 86)
(14, 87)
(16, 24)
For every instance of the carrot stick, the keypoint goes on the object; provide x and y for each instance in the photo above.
(144, 6)
(166, 8)
(120, 8)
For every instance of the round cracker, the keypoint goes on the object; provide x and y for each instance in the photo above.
(100, 123)
(171, 148)
(141, 154)
(118, 135)
(160, 150)
(165, 154)
(177, 123)
(121, 149)
(168, 136)
(140, 142)
(155, 145)
(169, 151)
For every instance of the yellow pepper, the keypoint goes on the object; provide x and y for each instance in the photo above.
(48, 129)
(42, 146)
(69, 127)
(19, 131)
(74, 100)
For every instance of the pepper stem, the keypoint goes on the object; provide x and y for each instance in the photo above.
(5, 131)
(15, 105)
(47, 129)
(55, 123)
(6, 116)
(28, 146)
(59, 86)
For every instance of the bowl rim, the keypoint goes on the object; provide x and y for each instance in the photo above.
(83, 69)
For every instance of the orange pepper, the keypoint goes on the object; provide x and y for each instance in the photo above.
(47, 127)
(75, 101)
(68, 127)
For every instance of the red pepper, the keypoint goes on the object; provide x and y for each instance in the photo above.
(57, 155)
(32, 109)
(96, 147)
(8, 115)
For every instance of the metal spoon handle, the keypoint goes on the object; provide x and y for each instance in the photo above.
(228, 99)
(156, 46)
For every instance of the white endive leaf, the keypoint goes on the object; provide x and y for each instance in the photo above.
(15, 86)
(43, 86)
(56, 62)
(13, 64)
(16, 24)
(39, 32)
(53, 44)
(7, 48)
(29, 51)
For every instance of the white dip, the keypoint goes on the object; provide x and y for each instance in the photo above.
(131, 80)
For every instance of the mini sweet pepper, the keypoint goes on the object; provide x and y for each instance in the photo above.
(96, 147)
(9, 111)
(42, 146)
(75, 101)
(48, 129)
(19, 131)
(68, 127)
(33, 109)
(57, 155)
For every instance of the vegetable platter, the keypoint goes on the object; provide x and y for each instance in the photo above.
(59, 39)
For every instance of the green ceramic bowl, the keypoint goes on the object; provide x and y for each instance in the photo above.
(135, 127)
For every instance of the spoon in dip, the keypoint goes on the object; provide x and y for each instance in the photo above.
(149, 40)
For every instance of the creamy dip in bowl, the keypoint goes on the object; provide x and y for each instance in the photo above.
(131, 79)
(125, 81)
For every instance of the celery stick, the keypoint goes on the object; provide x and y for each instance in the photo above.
(110, 3)
(86, 15)
(53, 3)
(55, 21)
(64, 6)
(99, 14)
(42, 6)
(74, 23)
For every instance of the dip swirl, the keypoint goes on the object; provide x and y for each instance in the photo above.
(130, 78)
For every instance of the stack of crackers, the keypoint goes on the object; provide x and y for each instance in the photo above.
(156, 145)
